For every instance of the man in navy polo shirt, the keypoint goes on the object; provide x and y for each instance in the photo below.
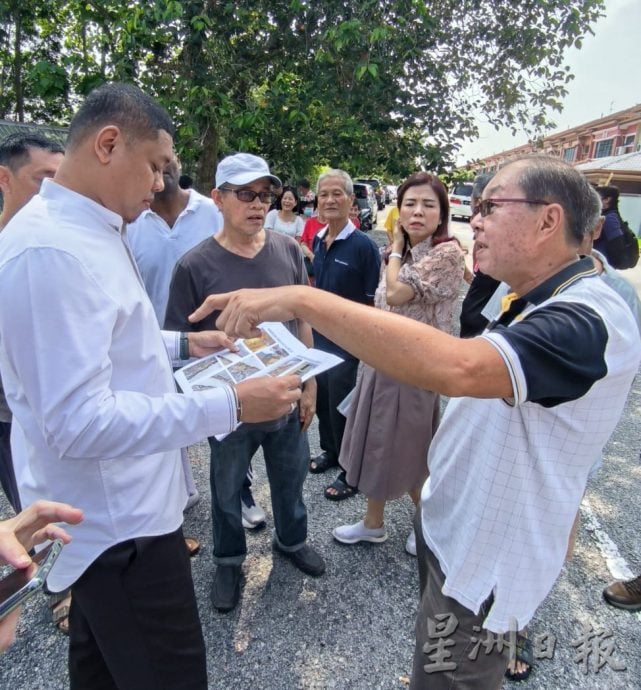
(347, 263)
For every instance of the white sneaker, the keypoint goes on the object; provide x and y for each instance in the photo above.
(351, 534)
(252, 515)
(410, 544)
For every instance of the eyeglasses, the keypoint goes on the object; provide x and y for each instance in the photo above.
(248, 195)
(485, 207)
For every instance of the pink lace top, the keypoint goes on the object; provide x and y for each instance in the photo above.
(435, 274)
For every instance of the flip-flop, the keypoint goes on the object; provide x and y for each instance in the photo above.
(193, 546)
(342, 488)
(525, 656)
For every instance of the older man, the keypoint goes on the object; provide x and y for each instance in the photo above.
(243, 253)
(536, 398)
(97, 420)
(346, 263)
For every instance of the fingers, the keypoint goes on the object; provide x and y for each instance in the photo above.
(12, 552)
(238, 319)
(38, 514)
(8, 629)
(32, 526)
(211, 303)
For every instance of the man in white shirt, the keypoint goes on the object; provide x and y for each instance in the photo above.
(178, 220)
(97, 421)
(534, 400)
(25, 160)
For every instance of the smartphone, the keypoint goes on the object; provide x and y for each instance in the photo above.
(21, 584)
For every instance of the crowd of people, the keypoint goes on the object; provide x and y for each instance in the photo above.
(126, 274)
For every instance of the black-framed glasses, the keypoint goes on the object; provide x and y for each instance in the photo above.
(485, 207)
(248, 195)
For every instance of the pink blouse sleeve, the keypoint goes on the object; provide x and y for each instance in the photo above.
(436, 276)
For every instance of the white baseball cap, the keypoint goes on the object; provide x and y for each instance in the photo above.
(243, 168)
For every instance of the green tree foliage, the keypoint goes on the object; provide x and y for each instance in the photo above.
(376, 87)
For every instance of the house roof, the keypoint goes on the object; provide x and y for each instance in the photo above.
(628, 162)
(57, 134)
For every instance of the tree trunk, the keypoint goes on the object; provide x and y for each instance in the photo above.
(207, 161)
(17, 67)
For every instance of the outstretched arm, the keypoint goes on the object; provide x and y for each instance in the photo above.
(407, 350)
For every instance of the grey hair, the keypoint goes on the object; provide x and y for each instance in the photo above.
(558, 182)
(347, 180)
(596, 211)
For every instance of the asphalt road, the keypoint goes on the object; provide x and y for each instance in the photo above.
(353, 627)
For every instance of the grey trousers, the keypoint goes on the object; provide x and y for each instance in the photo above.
(445, 635)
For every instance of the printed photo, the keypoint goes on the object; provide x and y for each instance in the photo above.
(255, 344)
(285, 366)
(207, 364)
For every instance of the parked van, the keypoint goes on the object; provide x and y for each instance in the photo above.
(460, 200)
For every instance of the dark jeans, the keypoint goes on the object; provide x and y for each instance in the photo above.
(486, 671)
(7, 475)
(333, 386)
(134, 622)
(286, 465)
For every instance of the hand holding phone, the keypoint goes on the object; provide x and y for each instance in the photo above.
(19, 585)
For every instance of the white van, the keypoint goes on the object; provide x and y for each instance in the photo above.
(460, 200)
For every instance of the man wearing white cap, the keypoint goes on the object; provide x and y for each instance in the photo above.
(245, 255)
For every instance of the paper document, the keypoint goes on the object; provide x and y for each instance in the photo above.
(274, 353)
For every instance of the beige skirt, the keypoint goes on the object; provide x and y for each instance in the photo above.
(389, 430)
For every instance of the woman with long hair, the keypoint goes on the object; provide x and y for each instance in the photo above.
(285, 219)
(390, 425)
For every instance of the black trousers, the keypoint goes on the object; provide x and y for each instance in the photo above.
(7, 475)
(134, 622)
(332, 387)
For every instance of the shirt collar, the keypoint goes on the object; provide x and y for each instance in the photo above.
(342, 235)
(562, 280)
(80, 203)
(195, 199)
(421, 249)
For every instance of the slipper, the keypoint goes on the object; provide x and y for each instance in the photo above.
(59, 605)
(525, 656)
(193, 546)
(321, 463)
(341, 488)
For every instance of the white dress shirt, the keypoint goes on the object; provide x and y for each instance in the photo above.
(97, 420)
(157, 247)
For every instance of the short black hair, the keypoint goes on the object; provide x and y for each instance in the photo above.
(14, 150)
(185, 181)
(123, 105)
(609, 192)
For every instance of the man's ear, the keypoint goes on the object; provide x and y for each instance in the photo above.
(552, 219)
(105, 142)
(5, 178)
(217, 197)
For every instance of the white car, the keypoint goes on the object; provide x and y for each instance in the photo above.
(460, 200)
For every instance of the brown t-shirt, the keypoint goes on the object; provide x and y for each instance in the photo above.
(210, 269)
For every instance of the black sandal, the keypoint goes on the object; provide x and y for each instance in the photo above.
(321, 463)
(341, 487)
(525, 656)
